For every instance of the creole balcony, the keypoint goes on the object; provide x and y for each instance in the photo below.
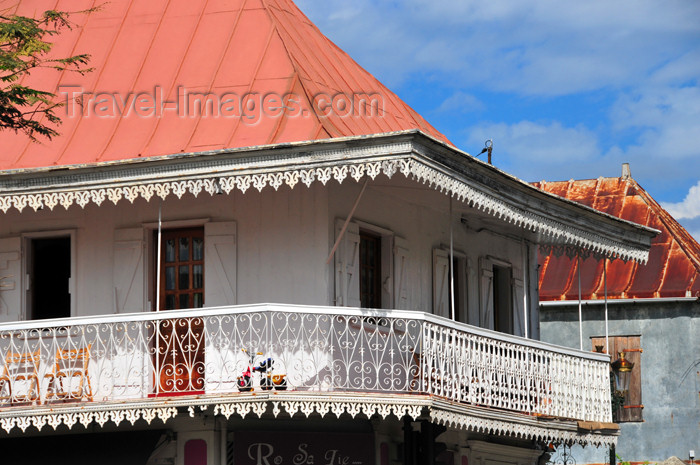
(338, 360)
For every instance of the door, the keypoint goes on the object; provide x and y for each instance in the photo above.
(180, 352)
(49, 274)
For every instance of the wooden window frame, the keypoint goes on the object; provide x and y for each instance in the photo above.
(191, 232)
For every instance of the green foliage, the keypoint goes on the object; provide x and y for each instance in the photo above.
(25, 44)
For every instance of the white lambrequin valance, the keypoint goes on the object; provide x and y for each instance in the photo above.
(325, 405)
(205, 174)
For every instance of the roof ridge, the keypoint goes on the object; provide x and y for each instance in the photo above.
(290, 56)
(407, 112)
(688, 244)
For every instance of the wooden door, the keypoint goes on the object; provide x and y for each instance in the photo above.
(180, 352)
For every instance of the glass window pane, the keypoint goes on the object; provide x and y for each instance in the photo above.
(170, 278)
(184, 277)
(184, 301)
(197, 248)
(170, 302)
(198, 300)
(170, 250)
(184, 249)
(197, 277)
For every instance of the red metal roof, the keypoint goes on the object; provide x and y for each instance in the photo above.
(673, 269)
(157, 50)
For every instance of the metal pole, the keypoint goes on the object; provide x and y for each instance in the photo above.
(452, 271)
(347, 222)
(157, 323)
(605, 281)
(160, 225)
(526, 284)
(613, 455)
(580, 309)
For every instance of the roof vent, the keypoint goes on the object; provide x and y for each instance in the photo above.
(626, 173)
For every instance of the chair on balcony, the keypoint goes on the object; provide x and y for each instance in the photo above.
(70, 379)
(20, 368)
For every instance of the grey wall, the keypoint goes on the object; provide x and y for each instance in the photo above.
(670, 338)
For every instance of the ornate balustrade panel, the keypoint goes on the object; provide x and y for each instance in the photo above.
(230, 350)
(493, 372)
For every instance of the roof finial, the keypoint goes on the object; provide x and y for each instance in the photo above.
(488, 148)
(626, 173)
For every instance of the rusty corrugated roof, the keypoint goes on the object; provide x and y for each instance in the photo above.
(160, 49)
(673, 269)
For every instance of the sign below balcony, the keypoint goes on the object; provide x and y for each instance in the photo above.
(309, 448)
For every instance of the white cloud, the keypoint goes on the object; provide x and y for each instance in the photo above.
(540, 47)
(689, 208)
(639, 58)
(460, 102)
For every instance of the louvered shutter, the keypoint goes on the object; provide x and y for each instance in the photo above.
(10, 272)
(128, 271)
(401, 268)
(518, 307)
(633, 408)
(441, 283)
(486, 294)
(220, 263)
(347, 266)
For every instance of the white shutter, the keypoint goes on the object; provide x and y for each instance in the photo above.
(518, 306)
(10, 276)
(401, 265)
(441, 283)
(347, 266)
(128, 271)
(220, 264)
(486, 293)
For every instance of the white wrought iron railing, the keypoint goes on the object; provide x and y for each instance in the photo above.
(225, 351)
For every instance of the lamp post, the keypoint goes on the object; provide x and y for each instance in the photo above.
(620, 383)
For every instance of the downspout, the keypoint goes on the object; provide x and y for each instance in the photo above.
(580, 309)
(605, 283)
(222, 442)
(526, 284)
(452, 271)
(160, 238)
(158, 266)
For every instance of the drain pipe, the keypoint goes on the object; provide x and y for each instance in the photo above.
(223, 450)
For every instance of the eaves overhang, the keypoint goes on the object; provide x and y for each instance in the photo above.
(412, 154)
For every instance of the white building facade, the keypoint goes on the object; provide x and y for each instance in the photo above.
(274, 253)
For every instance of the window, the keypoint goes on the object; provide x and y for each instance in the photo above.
(182, 269)
(370, 270)
(372, 267)
(502, 299)
(632, 408)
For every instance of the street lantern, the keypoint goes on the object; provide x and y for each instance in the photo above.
(622, 368)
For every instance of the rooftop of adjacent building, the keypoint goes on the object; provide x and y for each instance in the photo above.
(673, 269)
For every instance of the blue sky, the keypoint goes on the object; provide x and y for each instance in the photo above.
(564, 89)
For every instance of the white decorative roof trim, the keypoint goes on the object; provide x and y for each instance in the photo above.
(258, 173)
(478, 420)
